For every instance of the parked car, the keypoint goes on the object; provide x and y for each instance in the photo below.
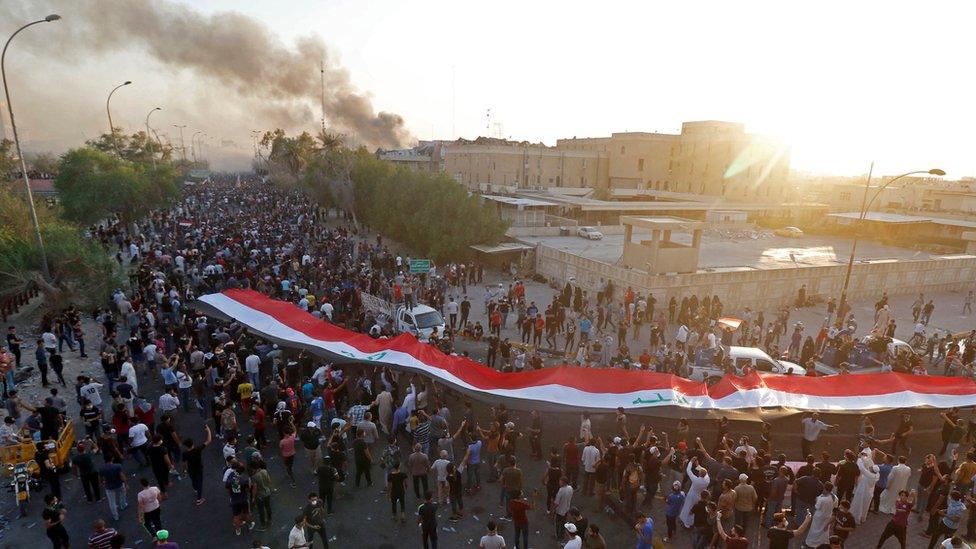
(704, 368)
(864, 357)
(789, 232)
(589, 233)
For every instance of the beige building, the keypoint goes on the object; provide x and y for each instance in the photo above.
(497, 165)
(710, 158)
(426, 156)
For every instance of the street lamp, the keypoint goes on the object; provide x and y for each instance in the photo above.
(23, 164)
(865, 206)
(149, 137)
(193, 144)
(111, 128)
(182, 143)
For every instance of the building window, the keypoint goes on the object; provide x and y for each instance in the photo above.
(557, 180)
(584, 163)
(582, 181)
(845, 196)
(640, 164)
(623, 150)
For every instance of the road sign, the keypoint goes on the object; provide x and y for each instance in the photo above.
(419, 266)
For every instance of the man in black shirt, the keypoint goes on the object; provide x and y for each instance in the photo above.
(826, 468)
(808, 487)
(701, 529)
(364, 460)
(315, 519)
(193, 457)
(427, 519)
(51, 420)
(397, 480)
(780, 534)
(327, 476)
(13, 343)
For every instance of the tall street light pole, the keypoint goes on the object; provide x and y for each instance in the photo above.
(20, 155)
(865, 207)
(149, 137)
(182, 143)
(108, 110)
(193, 144)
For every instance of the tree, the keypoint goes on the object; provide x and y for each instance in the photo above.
(430, 213)
(94, 185)
(138, 147)
(43, 162)
(81, 271)
(8, 165)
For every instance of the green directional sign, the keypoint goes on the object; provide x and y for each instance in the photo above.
(419, 266)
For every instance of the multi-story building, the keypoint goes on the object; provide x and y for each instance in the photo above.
(709, 158)
(426, 156)
(489, 164)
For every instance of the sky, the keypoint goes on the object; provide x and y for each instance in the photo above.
(842, 83)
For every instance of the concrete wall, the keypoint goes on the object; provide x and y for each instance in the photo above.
(768, 288)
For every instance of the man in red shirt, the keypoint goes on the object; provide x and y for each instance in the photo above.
(518, 506)
(257, 419)
(571, 456)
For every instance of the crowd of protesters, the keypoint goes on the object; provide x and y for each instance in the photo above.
(278, 415)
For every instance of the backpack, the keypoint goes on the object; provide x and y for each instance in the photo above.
(633, 477)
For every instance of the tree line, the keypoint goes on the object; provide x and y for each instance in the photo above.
(428, 212)
(115, 178)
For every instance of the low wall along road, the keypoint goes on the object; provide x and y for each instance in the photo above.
(767, 288)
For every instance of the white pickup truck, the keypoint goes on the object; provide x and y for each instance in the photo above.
(421, 320)
(742, 358)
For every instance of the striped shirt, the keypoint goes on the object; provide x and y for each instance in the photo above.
(102, 540)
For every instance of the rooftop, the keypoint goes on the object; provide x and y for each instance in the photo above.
(515, 201)
(893, 218)
(665, 223)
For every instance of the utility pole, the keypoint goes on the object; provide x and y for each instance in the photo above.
(182, 143)
(20, 154)
(322, 91)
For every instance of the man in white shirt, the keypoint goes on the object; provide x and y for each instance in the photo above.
(50, 342)
(252, 365)
(440, 469)
(812, 427)
(749, 449)
(138, 441)
(169, 402)
(562, 503)
(296, 538)
(90, 390)
(590, 458)
(149, 353)
(327, 310)
(321, 375)
(492, 540)
(452, 308)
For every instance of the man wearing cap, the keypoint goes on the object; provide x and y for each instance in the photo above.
(311, 439)
(573, 541)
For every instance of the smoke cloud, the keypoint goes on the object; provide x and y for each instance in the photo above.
(228, 49)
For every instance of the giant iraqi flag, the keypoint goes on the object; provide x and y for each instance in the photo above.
(570, 387)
